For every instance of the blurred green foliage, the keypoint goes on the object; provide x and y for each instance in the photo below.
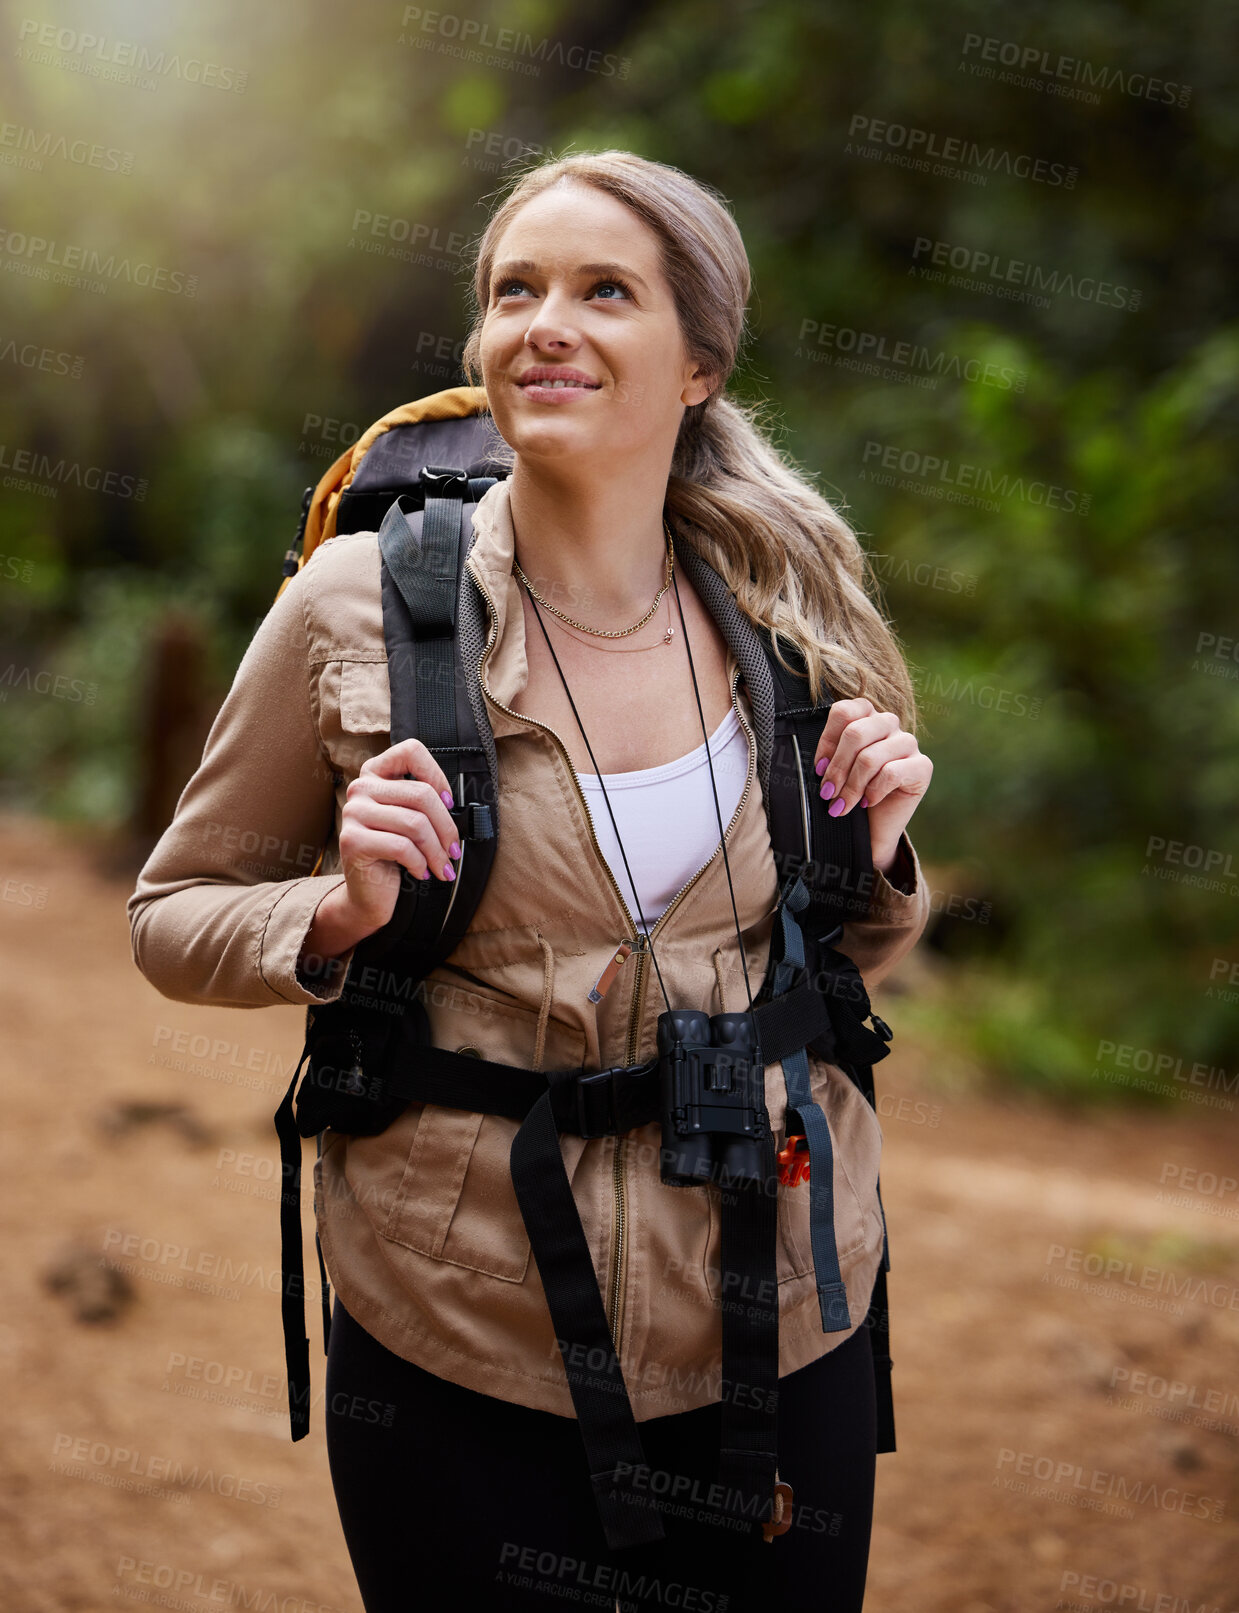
(1071, 714)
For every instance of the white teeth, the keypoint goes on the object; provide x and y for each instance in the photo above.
(556, 383)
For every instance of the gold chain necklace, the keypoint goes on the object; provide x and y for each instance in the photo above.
(641, 648)
(599, 632)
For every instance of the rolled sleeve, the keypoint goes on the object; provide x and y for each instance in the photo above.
(897, 918)
(222, 908)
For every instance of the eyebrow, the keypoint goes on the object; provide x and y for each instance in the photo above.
(528, 266)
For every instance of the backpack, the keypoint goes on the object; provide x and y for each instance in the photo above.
(415, 478)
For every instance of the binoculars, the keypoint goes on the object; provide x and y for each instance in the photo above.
(712, 1095)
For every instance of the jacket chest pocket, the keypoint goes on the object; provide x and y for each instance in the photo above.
(455, 1200)
(354, 712)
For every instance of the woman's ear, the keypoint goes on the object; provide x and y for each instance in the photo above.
(698, 387)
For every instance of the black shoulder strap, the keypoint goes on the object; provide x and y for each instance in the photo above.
(832, 855)
(422, 565)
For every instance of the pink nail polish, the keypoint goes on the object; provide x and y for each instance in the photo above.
(446, 797)
(821, 766)
(448, 871)
(425, 874)
(453, 851)
(837, 808)
(827, 790)
(864, 800)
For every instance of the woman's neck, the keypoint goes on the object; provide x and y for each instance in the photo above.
(597, 551)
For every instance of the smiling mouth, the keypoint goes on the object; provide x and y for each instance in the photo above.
(566, 380)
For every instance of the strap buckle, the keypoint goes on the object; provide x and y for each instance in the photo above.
(793, 1160)
(598, 1106)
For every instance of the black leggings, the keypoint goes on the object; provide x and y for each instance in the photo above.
(443, 1492)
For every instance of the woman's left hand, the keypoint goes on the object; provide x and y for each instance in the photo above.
(865, 756)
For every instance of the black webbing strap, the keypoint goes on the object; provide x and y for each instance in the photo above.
(748, 1446)
(292, 1264)
(613, 1450)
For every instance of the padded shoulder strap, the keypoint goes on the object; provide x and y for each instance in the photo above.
(422, 554)
(832, 855)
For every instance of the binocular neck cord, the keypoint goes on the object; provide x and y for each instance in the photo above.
(717, 809)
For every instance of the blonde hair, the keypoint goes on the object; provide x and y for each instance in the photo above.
(792, 561)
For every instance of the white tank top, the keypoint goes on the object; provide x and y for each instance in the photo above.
(666, 816)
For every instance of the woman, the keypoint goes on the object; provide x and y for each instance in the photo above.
(611, 295)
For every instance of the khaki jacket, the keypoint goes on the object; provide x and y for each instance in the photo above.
(420, 1227)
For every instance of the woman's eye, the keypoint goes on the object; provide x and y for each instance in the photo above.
(503, 287)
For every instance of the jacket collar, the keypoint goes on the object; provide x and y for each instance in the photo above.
(490, 559)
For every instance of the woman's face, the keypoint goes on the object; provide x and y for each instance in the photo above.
(576, 289)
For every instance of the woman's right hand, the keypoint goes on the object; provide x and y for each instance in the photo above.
(391, 821)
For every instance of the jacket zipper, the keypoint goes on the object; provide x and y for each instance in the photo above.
(640, 945)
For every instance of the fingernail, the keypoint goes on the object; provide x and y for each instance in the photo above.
(837, 808)
(454, 850)
(827, 790)
(448, 871)
(446, 797)
(821, 766)
(425, 874)
(864, 800)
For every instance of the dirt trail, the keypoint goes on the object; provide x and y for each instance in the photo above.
(1010, 1365)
